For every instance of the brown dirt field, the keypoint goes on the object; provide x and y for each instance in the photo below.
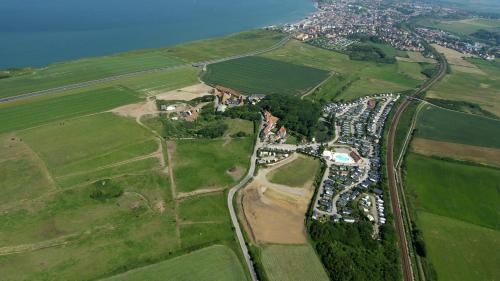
(275, 213)
(483, 155)
(186, 93)
(236, 173)
(137, 109)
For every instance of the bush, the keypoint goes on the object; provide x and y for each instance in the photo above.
(105, 189)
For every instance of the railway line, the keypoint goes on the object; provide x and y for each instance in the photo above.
(391, 171)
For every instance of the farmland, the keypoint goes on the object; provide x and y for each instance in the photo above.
(292, 262)
(458, 215)
(217, 263)
(444, 125)
(362, 77)
(296, 173)
(262, 75)
(463, 26)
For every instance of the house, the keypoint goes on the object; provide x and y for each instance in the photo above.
(229, 97)
(255, 98)
(355, 157)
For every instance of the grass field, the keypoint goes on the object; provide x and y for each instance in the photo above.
(204, 208)
(481, 87)
(464, 26)
(261, 75)
(217, 263)
(191, 157)
(235, 44)
(292, 262)
(31, 114)
(296, 173)
(444, 125)
(368, 77)
(468, 192)
(458, 214)
(60, 74)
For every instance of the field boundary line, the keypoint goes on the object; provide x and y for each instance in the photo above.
(452, 110)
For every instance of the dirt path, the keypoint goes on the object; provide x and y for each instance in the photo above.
(173, 187)
(183, 195)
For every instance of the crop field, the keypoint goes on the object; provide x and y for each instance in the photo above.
(458, 214)
(297, 173)
(482, 88)
(191, 157)
(30, 114)
(364, 78)
(234, 44)
(261, 75)
(292, 262)
(217, 263)
(444, 125)
(60, 74)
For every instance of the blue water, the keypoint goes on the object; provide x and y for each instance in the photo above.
(39, 32)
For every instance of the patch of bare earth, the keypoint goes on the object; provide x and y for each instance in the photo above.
(484, 155)
(137, 110)
(456, 59)
(186, 93)
(275, 213)
(236, 173)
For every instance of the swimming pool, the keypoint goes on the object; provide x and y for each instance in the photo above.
(343, 158)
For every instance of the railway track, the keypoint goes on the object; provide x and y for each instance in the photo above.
(391, 171)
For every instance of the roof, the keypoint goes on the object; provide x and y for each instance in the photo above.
(228, 91)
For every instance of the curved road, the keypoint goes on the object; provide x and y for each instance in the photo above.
(391, 174)
(132, 74)
(232, 212)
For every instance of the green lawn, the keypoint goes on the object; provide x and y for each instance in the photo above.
(292, 263)
(460, 250)
(444, 125)
(30, 114)
(82, 70)
(266, 76)
(191, 170)
(297, 173)
(217, 263)
(239, 125)
(202, 234)
(204, 208)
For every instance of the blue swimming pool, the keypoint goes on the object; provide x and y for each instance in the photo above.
(342, 157)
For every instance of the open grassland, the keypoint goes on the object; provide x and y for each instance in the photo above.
(261, 75)
(192, 172)
(235, 44)
(217, 263)
(464, 26)
(239, 125)
(467, 192)
(460, 250)
(31, 114)
(416, 57)
(458, 214)
(297, 173)
(292, 262)
(364, 78)
(483, 155)
(449, 126)
(82, 70)
(78, 145)
(209, 208)
(482, 88)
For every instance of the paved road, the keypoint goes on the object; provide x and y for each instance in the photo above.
(391, 173)
(232, 211)
(133, 74)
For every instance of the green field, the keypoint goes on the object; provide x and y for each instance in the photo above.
(458, 214)
(481, 87)
(261, 75)
(234, 44)
(444, 125)
(464, 26)
(292, 262)
(191, 157)
(217, 263)
(60, 74)
(368, 77)
(204, 208)
(31, 114)
(296, 173)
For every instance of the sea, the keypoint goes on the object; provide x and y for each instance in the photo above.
(40, 32)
